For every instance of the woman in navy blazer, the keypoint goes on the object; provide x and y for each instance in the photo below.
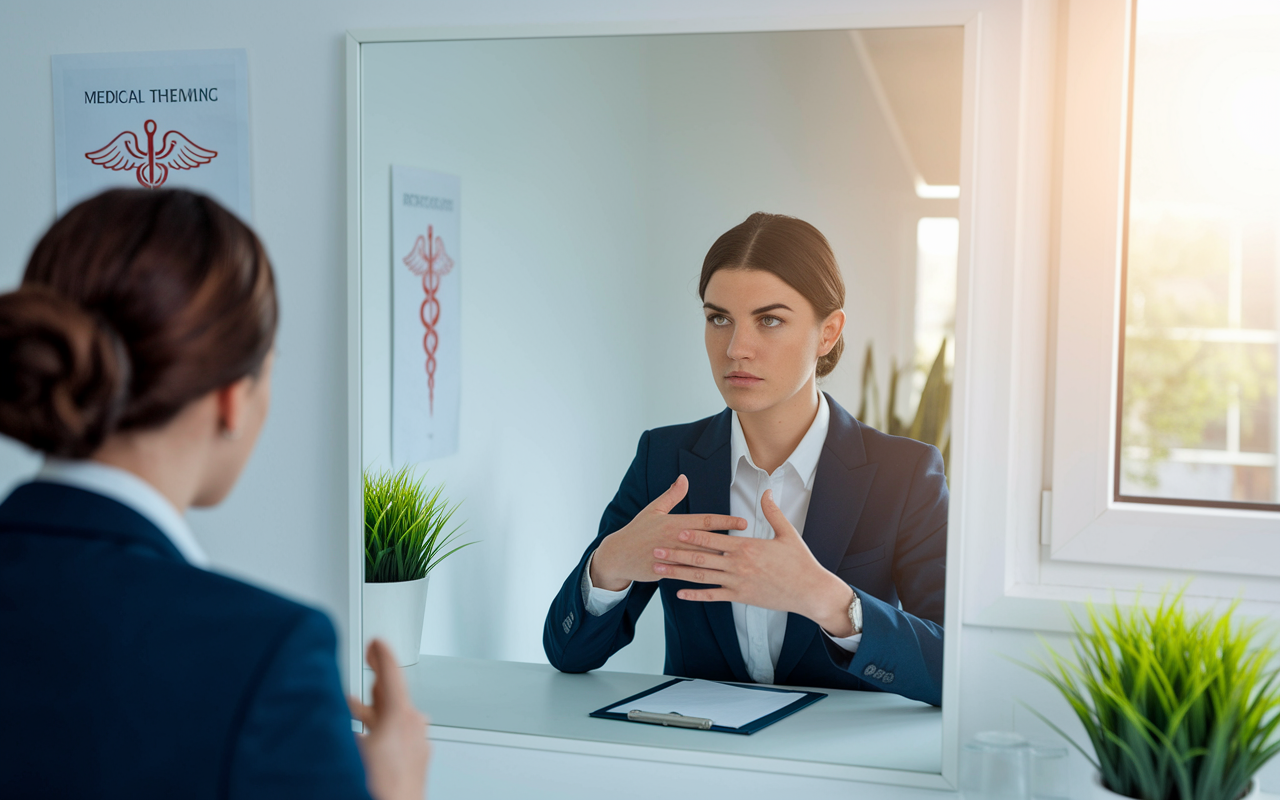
(137, 357)
(851, 595)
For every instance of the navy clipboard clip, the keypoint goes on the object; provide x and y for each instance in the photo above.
(698, 723)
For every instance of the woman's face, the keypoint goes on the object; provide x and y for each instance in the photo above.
(763, 338)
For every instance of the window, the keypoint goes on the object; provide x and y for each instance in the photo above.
(937, 251)
(1197, 380)
(1164, 411)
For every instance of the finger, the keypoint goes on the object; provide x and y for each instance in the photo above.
(717, 542)
(361, 713)
(711, 522)
(705, 595)
(693, 574)
(389, 688)
(672, 496)
(694, 558)
(782, 527)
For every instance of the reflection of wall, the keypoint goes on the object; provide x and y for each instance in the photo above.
(549, 144)
(596, 173)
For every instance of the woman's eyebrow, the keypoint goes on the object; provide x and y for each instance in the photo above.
(761, 310)
(774, 307)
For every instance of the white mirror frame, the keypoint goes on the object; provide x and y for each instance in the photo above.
(887, 15)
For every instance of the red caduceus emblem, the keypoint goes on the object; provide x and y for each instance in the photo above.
(152, 164)
(428, 259)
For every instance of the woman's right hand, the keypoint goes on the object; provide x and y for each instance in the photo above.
(395, 749)
(626, 555)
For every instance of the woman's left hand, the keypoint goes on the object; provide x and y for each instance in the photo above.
(778, 573)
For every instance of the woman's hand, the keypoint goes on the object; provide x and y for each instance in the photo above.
(780, 573)
(627, 554)
(395, 750)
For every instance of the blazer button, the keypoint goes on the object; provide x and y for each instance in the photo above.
(568, 623)
(870, 670)
(888, 677)
(879, 674)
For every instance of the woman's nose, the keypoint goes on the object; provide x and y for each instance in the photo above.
(740, 345)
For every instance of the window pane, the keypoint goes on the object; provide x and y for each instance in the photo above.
(1198, 404)
(937, 253)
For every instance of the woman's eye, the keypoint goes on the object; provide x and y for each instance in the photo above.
(719, 320)
(770, 322)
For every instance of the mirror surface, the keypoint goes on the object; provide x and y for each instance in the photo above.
(595, 173)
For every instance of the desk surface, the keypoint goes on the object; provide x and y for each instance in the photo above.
(855, 729)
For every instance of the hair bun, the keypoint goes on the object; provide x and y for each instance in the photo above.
(66, 373)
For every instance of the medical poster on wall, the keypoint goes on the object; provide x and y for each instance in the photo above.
(152, 120)
(426, 358)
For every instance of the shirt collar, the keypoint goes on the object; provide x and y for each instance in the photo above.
(128, 489)
(804, 459)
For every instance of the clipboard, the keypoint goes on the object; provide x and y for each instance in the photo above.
(806, 699)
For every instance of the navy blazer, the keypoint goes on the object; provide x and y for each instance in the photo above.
(877, 518)
(130, 673)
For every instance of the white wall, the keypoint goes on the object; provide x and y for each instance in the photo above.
(284, 525)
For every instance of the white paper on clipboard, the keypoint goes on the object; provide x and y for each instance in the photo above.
(725, 705)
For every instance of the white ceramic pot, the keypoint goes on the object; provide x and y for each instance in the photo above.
(1101, 792)
(393, 612)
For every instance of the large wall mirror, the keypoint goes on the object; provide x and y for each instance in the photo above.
(595, 173)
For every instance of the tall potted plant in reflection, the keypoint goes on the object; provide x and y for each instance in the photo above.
(404, 539)
(1176, 706)
(931, 421)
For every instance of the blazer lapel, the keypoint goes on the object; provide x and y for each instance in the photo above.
(840, 490)
(708, 470)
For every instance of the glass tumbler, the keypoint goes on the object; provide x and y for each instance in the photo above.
(996, 765)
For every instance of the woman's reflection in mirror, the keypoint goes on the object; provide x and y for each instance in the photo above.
(790, 543)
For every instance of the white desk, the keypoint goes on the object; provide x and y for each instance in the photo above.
(849, 735)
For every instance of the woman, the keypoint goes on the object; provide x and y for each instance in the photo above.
(137, 357)
(832, 571)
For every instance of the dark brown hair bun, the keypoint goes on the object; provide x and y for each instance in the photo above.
(66, 373)
(134, 304)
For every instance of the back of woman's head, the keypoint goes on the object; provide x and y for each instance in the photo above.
(791, 249)
(134, 304)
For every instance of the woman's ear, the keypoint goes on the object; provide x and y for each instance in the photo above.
(233, 399)
(831, 329)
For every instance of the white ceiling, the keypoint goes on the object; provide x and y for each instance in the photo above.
(919, 72)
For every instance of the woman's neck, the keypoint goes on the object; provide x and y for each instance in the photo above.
(171, 458)
(774, 433)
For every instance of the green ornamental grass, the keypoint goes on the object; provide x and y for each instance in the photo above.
(1176, 706)
(404, 525)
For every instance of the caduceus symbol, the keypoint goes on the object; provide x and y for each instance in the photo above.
(152, 165)
(428, 259)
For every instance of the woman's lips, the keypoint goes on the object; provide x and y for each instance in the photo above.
(742, 379)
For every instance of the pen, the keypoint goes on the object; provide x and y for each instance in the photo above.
(673, 719)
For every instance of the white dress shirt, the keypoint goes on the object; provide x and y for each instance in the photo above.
(760, 630)
(129, 490)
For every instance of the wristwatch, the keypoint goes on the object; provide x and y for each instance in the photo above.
(855, 614)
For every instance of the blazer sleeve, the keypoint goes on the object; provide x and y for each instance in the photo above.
(901, 648)
(295, 739)
(574, 640)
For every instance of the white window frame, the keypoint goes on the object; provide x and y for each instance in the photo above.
(1043, 531)
(1087, 524)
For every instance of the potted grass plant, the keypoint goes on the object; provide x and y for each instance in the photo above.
(1176, 706)
(404, 539)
